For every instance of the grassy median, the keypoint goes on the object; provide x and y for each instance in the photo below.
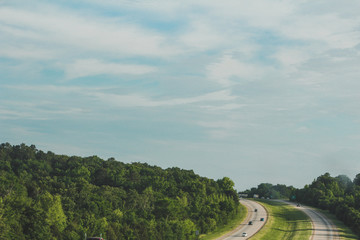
(284, 222)
(228, 227)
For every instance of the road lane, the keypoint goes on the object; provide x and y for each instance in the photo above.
(253, 216)
(323, 228)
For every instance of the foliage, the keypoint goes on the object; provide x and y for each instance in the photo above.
(49, 196)
(230, 226)
(267, 190)
(339, 195)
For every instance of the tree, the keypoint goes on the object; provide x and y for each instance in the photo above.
(50, 196)
(357, 180)
(4, 227)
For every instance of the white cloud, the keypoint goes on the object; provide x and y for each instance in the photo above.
(293, 20)
(303, 129)
(163, 8)
(218, 124)
(56, 28)
(122, 100)
(224, 107)
(291, 56)
(25, 52)
(257, 10)
(91, 67)
(202, 36)
(283, 64)
(41, 110)
(228, 67)
(335, 31)
(220, 134)
(6, 114)
(259, 13)
(136, 100)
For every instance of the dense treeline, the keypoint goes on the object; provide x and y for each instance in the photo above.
(268, 190)
(339, 195)
(49, 196)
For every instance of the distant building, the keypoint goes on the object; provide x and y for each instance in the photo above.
(256, 196)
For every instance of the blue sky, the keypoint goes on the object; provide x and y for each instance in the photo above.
(260, 91)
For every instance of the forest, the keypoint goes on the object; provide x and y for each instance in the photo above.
(268, 190)
(339, 195)
(50, 196)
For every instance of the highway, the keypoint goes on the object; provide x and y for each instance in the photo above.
(323, 228)
(253, 216)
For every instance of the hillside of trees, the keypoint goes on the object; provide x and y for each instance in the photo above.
(340, 195)
(49, 196)
(268, 190)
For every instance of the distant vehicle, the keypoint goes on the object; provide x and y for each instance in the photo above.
(298, 205)
(262, 219)
(244, 234)
(95, 238)
(255, 209)
(250, 223)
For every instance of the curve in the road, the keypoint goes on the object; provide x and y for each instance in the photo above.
(253, 216)
(323, 228)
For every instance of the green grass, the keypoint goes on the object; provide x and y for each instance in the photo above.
(344, 231)
(228, 227)
(284, 222)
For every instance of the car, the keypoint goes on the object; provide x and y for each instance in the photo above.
(262, 219)
(250, 222)
(244, 234)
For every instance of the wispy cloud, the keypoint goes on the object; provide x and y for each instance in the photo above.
(280, 76)
(79, 33)
(202, 36)
(227, 69)
(102, 95)
(91, 67)
(142, 101)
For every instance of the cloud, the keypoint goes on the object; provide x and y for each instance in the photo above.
(50, 27)
(91, 67)
(202, 36)
(25, 52)
(291, 56)
(224, 107)
(136, 100)
(259, 13)
(295, 20)
(219, 129)
(252, 74)
(102, 95)
(6, 114)
(219, 124)
(331, 29)
(227, 67)
(42, 110)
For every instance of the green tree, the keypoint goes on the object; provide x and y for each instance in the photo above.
(50, 196)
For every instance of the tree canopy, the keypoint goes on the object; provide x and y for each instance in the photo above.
(339, 195)
(268, 190)
(50, 196)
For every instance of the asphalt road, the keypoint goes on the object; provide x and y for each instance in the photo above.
(253, 216)
(323, 228)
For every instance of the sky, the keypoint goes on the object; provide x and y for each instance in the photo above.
(256, 90)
